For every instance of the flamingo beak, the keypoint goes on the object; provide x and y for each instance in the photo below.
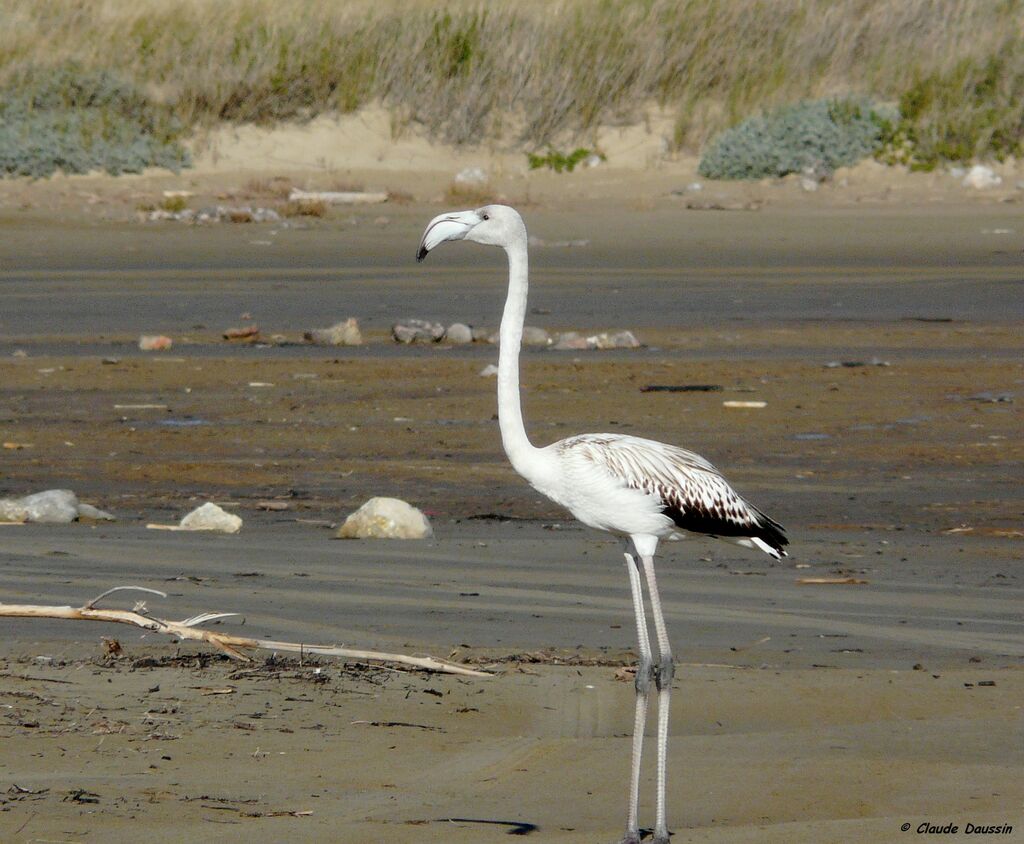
(451, 226)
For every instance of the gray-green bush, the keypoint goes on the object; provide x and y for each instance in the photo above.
(820, 135)
(70, 119)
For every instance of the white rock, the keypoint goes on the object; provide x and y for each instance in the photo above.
(340, 334)
(481, 335)
(386, 518)
(570, 341)
(533, 336)
(87, 511)
(459, 334)
(489, 371)
(55, 506)
(614, 340)
(154, 343)
(808, 184)
(211, 517)
(695, 187)
(471, 176)
(12, 510)
(417, 330)
(981, 177)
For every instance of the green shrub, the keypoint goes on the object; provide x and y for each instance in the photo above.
(68, 119)
(559, 161)
(819, 134)
(975, 109)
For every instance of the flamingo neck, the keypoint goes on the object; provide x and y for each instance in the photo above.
(521, 452)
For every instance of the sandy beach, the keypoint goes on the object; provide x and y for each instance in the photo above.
(882, 329)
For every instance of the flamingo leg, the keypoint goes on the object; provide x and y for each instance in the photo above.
(663, 674)
(644, 675)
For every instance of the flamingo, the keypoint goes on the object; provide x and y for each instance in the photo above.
(640, 490)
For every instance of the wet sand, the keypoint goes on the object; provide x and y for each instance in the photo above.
(803, 713)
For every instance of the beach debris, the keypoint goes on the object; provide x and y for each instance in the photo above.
(417, 331)
(682, 388)
(207, 517)
(338, 197)
(471, 176)
(233, 646)
(458, 334)
(54, 506)
(851, 364)
(345, 333)
(831, 581)
(722, 205)
(489, 371)
(745, 404)
(154, 342)
(981, 177)
(386, 518)
(245, 333)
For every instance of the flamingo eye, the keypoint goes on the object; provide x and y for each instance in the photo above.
(486, 216)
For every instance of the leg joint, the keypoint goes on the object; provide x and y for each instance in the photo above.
(665, 672)
(645, 673)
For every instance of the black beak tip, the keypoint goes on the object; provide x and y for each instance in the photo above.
(421, 254)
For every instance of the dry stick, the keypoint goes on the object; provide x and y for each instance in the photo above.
(233, 646)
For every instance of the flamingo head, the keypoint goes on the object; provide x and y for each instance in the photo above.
(494, 225)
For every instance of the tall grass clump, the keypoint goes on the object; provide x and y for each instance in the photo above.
(820, 135)
(76, 120)
(532, 74)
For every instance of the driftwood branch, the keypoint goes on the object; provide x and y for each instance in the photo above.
(233, 646)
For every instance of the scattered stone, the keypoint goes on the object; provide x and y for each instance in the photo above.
(417, 331)
(458, 334)
(695, 187)
(155, 343)
(471, 176)
(981, 177)
(489, 371)
(386, 518)
(110, 361)
(614, 340)
(340, 334)
(808, 184)
(216, 214)
(533, 336)
(482, 335)
(211, 517)
(990, 397)
(570, 341)
(19, 353)
(343, 197)
(274, 506)
(745, 404)
(246, 333)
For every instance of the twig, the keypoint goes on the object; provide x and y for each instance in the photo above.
(233, 646)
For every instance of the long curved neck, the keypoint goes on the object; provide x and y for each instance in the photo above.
(521, 452)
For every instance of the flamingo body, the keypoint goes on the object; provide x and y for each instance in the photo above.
(641, 490)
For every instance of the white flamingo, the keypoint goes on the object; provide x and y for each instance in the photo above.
(638, 489)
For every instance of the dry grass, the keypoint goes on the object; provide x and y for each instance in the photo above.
(504, 72)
